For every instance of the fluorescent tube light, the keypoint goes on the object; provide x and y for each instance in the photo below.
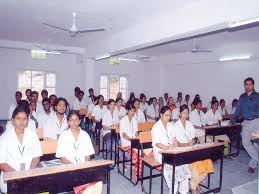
(128, 59)
(235, 58)
(100, 57)
(244, 22)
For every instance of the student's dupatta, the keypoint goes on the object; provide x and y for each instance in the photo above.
(90, 188)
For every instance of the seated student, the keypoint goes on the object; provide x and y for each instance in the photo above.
(120, 109)
(45, 114)
(74, 98)
(184, 136)
(57, 123)
(198, 119)
(213, 115)
(52, 99)
(119, 95)
(110, 121)
(80, 102)
(129, 129)
(223, 109)
(163, 133)
(171, 103)
(187, 101)
(160, 103)
(179, 101)
(20, 148)
(233, 106)
(214, 98)
(28, 95)
(35, 104)
(166, 96)
(18, 98)
(31, 122)
(131, 98)
(152, 111)
(143, 103)
(91, 97)
(74, 145)
(139, 115)
(175, 115)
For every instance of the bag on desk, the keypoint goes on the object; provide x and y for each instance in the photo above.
(90, 188)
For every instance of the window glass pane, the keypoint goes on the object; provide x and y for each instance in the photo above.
(114, 86)
(37, 80)
(123, 82)
(50, 80)
(103, 81)
(51, 90)
(24, 81)
(104, 92)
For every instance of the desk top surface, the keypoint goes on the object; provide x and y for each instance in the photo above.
(196, 147)
(221, 126)
(55, 169)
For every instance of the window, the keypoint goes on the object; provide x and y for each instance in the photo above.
(110, 85)
(37, 80)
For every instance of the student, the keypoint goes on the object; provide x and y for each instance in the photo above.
(44, 94)
(110, 121)
(91, 96)
(35, 104)
(74, 145)
(74, 98)
(171, 103)
(233, 106)
(175, 115)
(143, 103)
(152, 111)
(120, 109)
(57, 123)
(187, 101)
(184, 136)
(129, 129)
(119, 95)
(52, 99)
(214, 98)
(166, 98)
(213, 116)
(79, 102)
(131, 98)
(163, 133)
(99, 109)
(47, 112)
(31, 123)
(160, 103)
(223, 109)
(139, 115)
(179, 101)
(18, 98)
(28, 95)
(198, 119)
(20, 148)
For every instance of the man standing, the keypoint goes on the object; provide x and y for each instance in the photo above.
(248, 109)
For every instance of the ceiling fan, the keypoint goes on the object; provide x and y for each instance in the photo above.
(51, 51)
(74, 30)
(196, 49)
(123, 57)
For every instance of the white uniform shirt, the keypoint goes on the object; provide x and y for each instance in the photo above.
(143, 106)
(153, 112)
(98, 112)
(178, 104)
(161, 135)
(122, 112)
(110, 119)
(212, 118)
(42, 117)
(222, 111)
(31, 125)
(90, 109)
(53, 128)
(14, 153)
(11, 109)
(198, 120)
(128, 127)
(232, 110)
(74, 151)
(184, 135)
(139, 116)
(77, 105)
(175, 114)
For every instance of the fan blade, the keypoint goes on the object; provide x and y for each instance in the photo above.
(60, 28)
(58, 50)
(203, 51)
(40, 47)
(91, 30)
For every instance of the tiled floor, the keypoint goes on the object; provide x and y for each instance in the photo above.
(234, 174)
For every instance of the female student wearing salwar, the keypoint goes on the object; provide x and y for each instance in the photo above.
(185, 135)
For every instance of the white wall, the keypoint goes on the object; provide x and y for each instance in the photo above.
(69, 74)
(224, 80)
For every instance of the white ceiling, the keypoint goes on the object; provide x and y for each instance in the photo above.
(21, 20)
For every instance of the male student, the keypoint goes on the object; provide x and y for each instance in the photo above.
(36, 106)
(43, 115)
(74, 98)
(18, 98)
(28, 95)
(79, 102)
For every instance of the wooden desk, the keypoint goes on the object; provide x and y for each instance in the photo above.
(58, 178)
(230, 131)
(212, 151)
